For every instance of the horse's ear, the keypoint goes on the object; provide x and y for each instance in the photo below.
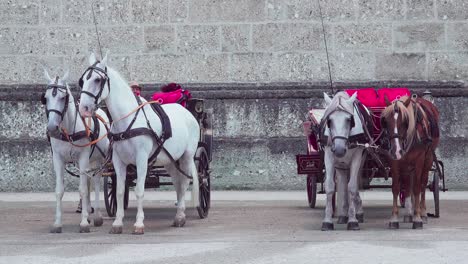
(47, 76)
(92, 59)
(104, 60)
(66, 75)
(407, 102)
(352, 98)
(327, 98)
(387, 102)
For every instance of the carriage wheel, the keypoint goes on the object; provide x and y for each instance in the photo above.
(311, 190)
(110, 195)
(202, 163)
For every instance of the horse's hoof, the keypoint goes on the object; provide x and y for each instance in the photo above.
(139, 230)
(424, 219)
(360, 218)
(353, 226)
(393, 225)
(408, 219)
(84, 229)
(342, 220)
(98, 221)
(116, 230)
(56, 229)
(417, 225)
(327, 226)
(179, 222)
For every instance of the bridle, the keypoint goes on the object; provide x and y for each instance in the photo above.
(104, 78)
(340, 108)
(62, 88)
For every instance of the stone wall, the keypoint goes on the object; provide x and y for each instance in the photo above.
(259, 63)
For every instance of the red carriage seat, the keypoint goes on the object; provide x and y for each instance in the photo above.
(172, 93)
(372, 98)
(392, 94)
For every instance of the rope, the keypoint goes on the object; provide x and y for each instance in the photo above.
(326, 48)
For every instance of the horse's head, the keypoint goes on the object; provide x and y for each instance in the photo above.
(56, 99)
(339, 120)
(397, 122)
(94, 84)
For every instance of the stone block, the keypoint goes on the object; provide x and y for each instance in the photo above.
(23, 120)
(34, 73)
(419, 36)
(420, 9)
(117, 39)
(19, 12)
(338, 10)
(226, 11)
(159, 68)
(375, 36)
(198, 38)
(178, 11)
(286, 37)
(113, 12)
(77, 65)
(51, 12)
(457, 36)
(448, 66)
(78, 12)
(302, 67)
(452, 10)
(400, 66)
(122, 65)
(276, 10)
(150, 11)
(203, 68)
(353, 66)
(453, 117)
(252, 67)
(160, 39)
(67, 41)
(235, 38)
(10, 67)
(23, 41)
(381, 10)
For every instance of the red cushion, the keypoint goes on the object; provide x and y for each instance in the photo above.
(367, 96)
(172, 97)
(392, 94)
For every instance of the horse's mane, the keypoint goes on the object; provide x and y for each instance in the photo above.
(407, 116)
(335, 103)
(115, 76)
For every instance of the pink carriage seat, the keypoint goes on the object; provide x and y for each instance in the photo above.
(392, 94)
(172, 93)
(367, 96)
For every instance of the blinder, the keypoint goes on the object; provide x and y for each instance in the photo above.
(43, 99)
(55, 87)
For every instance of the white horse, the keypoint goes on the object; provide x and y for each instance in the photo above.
(102, 83)
(342, 120)
(65, 124)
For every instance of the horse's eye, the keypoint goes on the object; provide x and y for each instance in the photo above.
(97, 80)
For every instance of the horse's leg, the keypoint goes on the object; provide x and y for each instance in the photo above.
(142, 169)
(342, 191)
(409, 197)
(417, 221)
(394, 224)
(120, 172)
(359, 209)
(353, 189)
(59, 190)
(97, 212)
(425, 178)
(327, 223)
(84, 192)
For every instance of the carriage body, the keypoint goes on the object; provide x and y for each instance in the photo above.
(375, 164)
(157, 176)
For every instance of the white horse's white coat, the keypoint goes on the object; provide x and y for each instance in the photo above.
(182, 145)
(349, 202)
(63, 152)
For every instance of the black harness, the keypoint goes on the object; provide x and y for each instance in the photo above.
(55, 88)
(103, 80)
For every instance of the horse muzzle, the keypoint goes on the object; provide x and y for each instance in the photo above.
(87, 111)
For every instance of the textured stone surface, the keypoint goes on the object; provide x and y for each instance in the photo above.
(457, 36)
(23, 41)
(208, 68)
(164, 68)
(353, 66)
(20, 12)
(363, 36)
(419, 36)
(67, 41)
(400, 66)
(77, 12)
(235, 38)
(381, 9)
(226, 10)
(286, 37)
(452, 9)
(302, 67)
(50, 12)
(33, 68)
(178, 10)
(252, 67)
(200, 38)
(420, 9)
(22, 120)
(448, 66)
(160, 39)
(10, 68)
(150, 11)
(118, 40)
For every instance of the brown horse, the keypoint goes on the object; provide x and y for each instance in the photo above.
(412, 127)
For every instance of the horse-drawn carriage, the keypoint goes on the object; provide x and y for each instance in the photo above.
(375, 165)
(156, 174)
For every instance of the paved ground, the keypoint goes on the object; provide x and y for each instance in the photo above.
(243, 227)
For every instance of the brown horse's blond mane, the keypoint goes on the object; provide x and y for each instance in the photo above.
(407, 116)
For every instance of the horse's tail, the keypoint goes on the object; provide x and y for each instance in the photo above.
(195, 185)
